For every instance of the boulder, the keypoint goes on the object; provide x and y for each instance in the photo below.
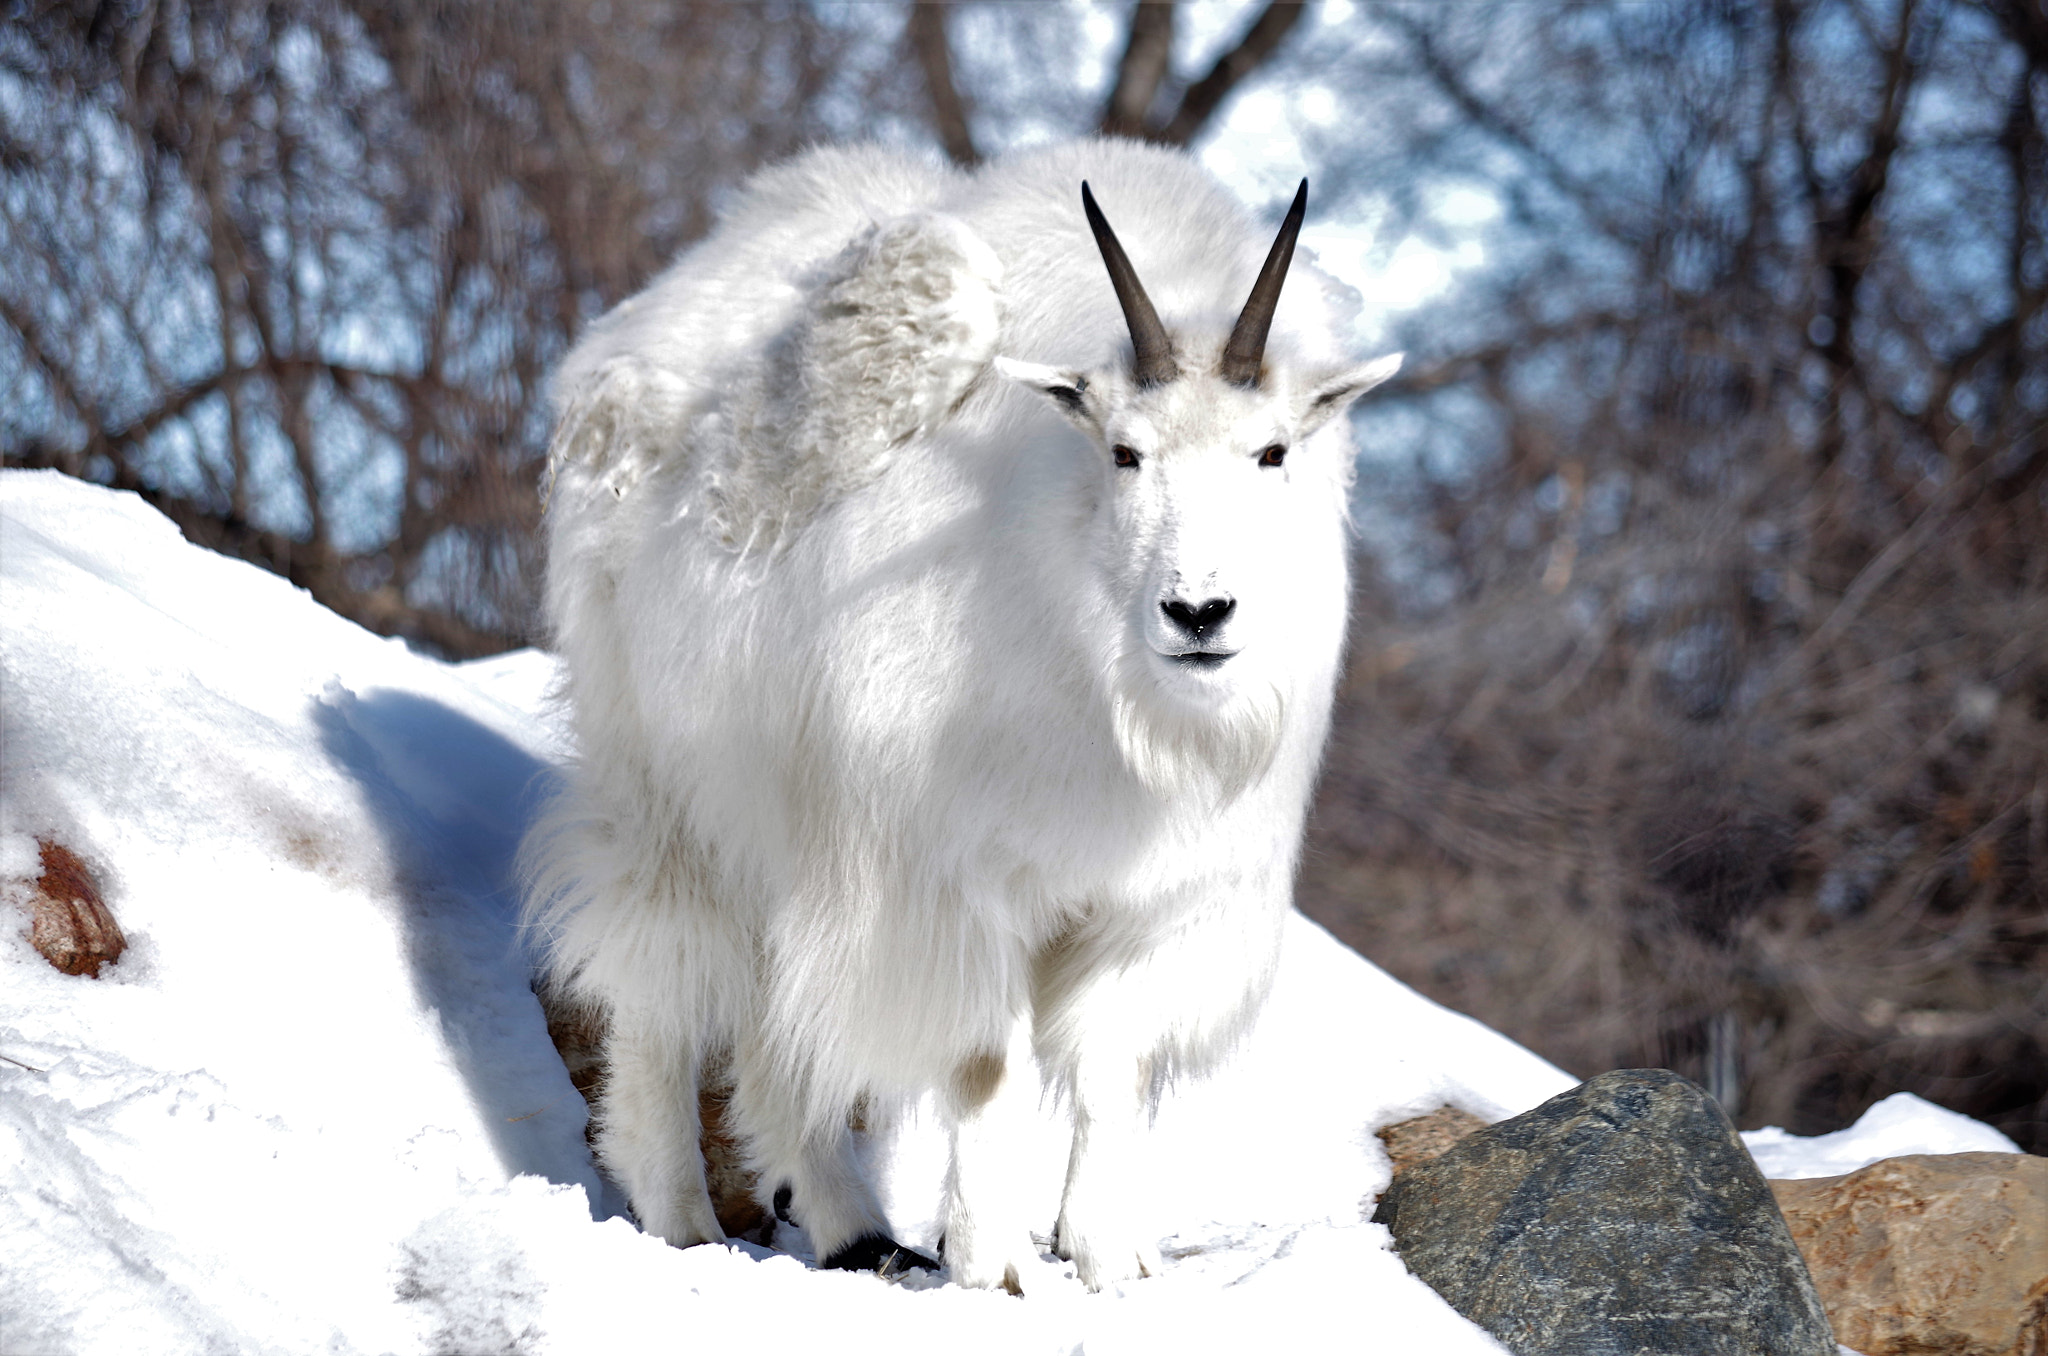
(1930, 1254)
(72, 928)
(1621, 1218)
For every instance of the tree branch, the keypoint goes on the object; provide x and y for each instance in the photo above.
(1206, 95)
(1845, 235)
(1846, 232)
(38, 353)
(111, 439)
(1452, 84)
(1148, 54)
(1453, 368)
(926, 33)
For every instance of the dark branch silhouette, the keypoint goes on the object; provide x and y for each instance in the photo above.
(926, 34)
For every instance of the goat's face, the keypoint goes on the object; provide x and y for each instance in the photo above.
(1216, 503)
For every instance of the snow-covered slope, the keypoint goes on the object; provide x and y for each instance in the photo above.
(314, 1107)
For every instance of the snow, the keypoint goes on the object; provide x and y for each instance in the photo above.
(314, 1106)
(1900, 1124)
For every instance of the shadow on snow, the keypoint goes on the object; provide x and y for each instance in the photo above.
(451, 798)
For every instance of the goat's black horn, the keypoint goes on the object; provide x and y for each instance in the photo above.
(1152, 348)
(1245, 354)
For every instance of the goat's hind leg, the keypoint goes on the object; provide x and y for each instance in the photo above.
(649, 1133)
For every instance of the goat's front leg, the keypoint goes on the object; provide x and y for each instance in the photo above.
(1108, 1021)
(993, 1105)
(1103, 1223)
(810, 1170)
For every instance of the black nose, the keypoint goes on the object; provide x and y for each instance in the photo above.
(1196, 619)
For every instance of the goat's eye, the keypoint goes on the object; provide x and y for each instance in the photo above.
(1125, 457)
(1273, 455)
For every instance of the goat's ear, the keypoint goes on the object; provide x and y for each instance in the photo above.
(1068, 388)
(1334, 393)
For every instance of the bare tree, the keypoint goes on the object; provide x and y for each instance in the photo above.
(297, 270)
(1718, 737)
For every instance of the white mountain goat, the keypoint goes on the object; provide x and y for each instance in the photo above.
(947, 720)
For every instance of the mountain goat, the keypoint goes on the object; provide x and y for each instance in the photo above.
(950, 640)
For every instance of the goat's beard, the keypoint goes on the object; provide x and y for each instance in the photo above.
(1177, 748)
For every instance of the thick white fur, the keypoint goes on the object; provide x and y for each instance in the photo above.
(888, 781)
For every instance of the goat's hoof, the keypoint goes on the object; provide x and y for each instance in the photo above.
(1104, 1259)
(878, 1253)
(1018, 1268)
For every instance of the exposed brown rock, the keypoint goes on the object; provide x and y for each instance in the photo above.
(1425, 1137)
(72, 927)
(1929, 1254)
(578, 1034)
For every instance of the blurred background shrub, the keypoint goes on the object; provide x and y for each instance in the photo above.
(1698, 707)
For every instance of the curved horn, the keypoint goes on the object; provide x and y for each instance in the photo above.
(1149, 342)
(1246, 351)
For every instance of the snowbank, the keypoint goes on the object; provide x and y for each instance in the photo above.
(1900, 1124)
(314, 1107)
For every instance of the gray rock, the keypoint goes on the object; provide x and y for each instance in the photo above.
(1622, 1218)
